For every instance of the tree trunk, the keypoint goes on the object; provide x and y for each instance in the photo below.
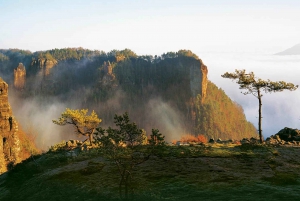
(91, 138)
(126, 188)
(259, 116)
(120, 184)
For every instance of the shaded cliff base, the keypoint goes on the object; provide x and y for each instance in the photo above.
(208, 172)
(26, 148)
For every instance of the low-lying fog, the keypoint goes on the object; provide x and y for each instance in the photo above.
(279, 109)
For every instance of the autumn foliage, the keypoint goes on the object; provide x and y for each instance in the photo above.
(191, 138)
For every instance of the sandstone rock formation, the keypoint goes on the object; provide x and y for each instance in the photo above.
(19, 76)
(11, 149)
(9, 141)
(198, 86)
(204, 71)
(198, 79)
(107, 78)
(44, 65)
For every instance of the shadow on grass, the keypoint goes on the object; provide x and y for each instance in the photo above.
(282, 179)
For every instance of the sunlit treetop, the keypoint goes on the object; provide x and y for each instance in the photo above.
(180, 53)
(252, 84)
(84, 124)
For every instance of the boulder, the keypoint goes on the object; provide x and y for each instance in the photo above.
(277, 137)
(211, 140)
(254, 140)
(288, 134)
(245, 141)
(296, 138)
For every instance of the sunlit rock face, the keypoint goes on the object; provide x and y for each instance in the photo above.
(44, 65)
(20, 77)
(198, 86)
(198, 79)
(204, 71)
(108, 76)
(9, 140)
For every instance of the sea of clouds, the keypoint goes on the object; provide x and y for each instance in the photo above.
(279, 109)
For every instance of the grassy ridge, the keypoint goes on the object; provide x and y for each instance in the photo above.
(215, 172)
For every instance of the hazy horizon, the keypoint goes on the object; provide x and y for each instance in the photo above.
(279, 109)
(151, 27)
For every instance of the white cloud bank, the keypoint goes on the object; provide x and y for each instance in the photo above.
(279, 109)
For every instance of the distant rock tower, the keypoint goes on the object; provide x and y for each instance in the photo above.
(9, 140)
(108, 74)
(107, 67)
(19, 76)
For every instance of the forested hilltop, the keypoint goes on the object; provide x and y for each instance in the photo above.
(169, 92)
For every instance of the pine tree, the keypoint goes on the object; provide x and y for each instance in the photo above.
(256, 86)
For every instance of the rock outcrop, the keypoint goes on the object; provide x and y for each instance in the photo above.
(198, 79)
(11, 149)
(286, 136)
(108, 74)
(44, 65)
(204, 80)
(9, 141)
(19, 77)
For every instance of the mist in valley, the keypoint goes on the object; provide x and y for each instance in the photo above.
(36, 111)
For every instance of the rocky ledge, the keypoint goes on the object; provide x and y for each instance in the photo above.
(286, 136)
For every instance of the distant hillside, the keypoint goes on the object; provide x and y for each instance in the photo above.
(169, 92)
(295, 50)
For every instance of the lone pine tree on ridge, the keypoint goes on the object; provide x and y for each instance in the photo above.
(256, 86)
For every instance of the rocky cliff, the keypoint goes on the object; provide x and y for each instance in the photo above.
(14, 144)
(44, 65)
(19, 76)
(198, 79)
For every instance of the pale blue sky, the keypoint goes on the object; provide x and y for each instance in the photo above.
(150, 27)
